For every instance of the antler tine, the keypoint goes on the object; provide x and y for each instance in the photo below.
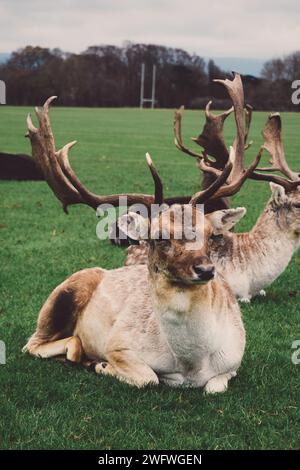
(30, 126)
(178, 137)
(206, 168)
(247, 146)
(159, 193)
(248, 115)
(210, 116)
(42, 112)
(48, 102)
(236, 92)
(212, 137)
(62, 156)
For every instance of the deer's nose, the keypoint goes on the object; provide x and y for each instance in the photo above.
(204, 273)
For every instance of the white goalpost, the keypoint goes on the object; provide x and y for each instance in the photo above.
(142, 98)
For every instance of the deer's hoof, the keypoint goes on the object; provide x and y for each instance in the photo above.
(245, 300)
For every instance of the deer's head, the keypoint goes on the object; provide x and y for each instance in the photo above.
(285, 205)
(179, 235)
(178, 240)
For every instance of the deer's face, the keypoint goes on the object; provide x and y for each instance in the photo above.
(287, 208)
(178, 247)
(179, 241)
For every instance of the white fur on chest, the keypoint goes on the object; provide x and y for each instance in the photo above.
(190, 329)
(179, 303)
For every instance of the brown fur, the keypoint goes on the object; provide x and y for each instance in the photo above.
(58, 316)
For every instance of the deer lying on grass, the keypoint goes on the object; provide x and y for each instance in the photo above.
(175, 321)
(250, 262)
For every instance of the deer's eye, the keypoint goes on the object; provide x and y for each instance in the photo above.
(296, 205)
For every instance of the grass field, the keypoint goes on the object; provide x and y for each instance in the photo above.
(45, 404)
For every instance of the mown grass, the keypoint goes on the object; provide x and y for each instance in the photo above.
(44, 404)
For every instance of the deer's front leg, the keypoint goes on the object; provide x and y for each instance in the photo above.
(218, 384)
(127, 367)
(217, 369)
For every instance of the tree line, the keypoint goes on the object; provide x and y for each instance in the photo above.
(109, 76)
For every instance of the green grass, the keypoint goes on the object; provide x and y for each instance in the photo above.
(44, 404)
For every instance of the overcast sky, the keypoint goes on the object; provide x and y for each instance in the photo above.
(228, 28)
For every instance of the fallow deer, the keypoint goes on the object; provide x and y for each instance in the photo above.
(175, 320)
(250, 262)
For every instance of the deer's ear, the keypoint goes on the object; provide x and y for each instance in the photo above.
(134, 226)
(278, 194)
(224, 220)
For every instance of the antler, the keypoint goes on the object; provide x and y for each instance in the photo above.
(272, 141)
(178, 137)
(236, 92)
(219, 189)
(202, 196)
(159, 191)
(238, 173)
(62, 179)
(248, 119)
(274, 145)
(43, 152)
(213, 142)
(212, 137)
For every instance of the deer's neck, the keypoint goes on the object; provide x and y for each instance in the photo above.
(189, 308)
(274, 239)
(180, 313)
(272, 232)
(171, 297)
(269, 239)
(252, 261)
